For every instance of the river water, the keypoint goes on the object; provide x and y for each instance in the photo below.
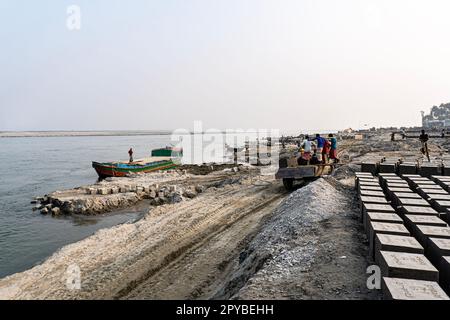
(36, 166)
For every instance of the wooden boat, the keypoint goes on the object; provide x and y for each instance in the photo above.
(121, 169)
(167, 152)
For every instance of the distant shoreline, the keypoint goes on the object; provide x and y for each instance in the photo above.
(47, 134)
(106, 133)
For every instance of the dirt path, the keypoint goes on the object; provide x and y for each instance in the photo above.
(193, 240)
(199, 270)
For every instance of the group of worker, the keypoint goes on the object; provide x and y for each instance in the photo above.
(318, 150)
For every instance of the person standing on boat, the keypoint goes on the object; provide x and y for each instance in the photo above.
(130, 153)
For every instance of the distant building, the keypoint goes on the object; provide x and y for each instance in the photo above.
(439, 117)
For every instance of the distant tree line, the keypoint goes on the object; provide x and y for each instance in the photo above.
(438, 113)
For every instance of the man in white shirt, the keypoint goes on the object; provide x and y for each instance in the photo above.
(307, 147)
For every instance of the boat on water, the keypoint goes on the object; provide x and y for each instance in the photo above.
(167, 152)
(121, 169)
(162, 159)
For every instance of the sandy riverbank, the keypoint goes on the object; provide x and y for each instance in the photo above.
(244, 238)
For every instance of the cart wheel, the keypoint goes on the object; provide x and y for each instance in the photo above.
(288, 183)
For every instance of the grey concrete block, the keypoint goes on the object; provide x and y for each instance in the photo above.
(371, 167)
(412, 202)
(395, 243)
(408, 289)
(407, 168)
(370, 188)
(381, 217)
(375, 200)
(371, 193)
(387, 167)
(440, 205)
(444, 274)
(417, 210)
(426, 170)
(371, 207)
(407, 266)
(384, 228)
(437, 248)
(426, 193)
(445, 197)
(426, 232)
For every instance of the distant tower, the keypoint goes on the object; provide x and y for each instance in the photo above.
(423, 118)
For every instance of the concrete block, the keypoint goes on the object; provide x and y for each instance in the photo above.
(379, 200)
(370, 188)
(426, 232)
(426, 193)
(445, 197)
(424, 220)
(428, 170)
(407, 266)
(437, 249)
(406, 195)
(394, 243)
(372, 207)
(444, 274)
(370, 193)
(408, 289)
(409, 176)
(423, 184)
(360, 180)
(390, 184)
(417, 210)
(402, 189)
(412, 202)
(445, 185)
(390, 191)
(370, 167)
(446, 170)
(412, 221)
(384, 228)
(407, 168)
(115, 190)
(125, 189)
(363, 174)
(387, 167)
(102, 191)
(440, 205)
(373, 183)
(381, 217)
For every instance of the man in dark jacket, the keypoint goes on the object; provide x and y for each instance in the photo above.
(130, 153)
(424, 140)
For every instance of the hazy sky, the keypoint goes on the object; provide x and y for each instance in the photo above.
(287, 64)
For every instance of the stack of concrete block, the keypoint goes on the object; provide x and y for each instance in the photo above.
(446, 168)
(407, 289)
(444, 182)
(370, 166)
(407, 168)
(430, 169)
(388, 166)
(399, 238)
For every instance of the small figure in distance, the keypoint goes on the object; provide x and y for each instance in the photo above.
(130, 153)
(424, 140)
